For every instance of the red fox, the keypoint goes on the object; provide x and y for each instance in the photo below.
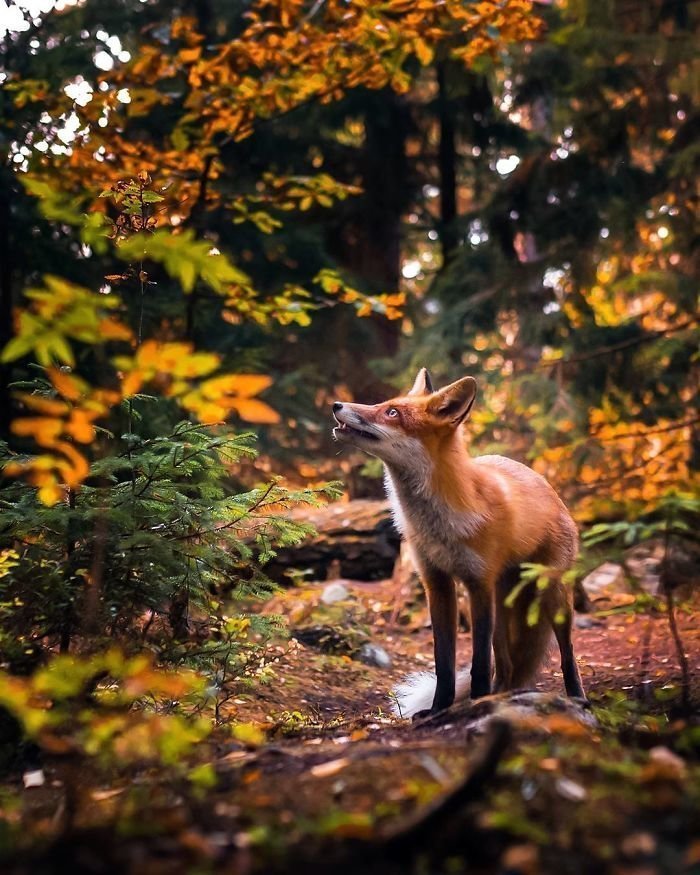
(474, 520)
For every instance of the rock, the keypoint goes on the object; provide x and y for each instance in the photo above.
(521, 860)
(334, 592)
(667, 763)
(326, 639)
(570, 790)
(34, 778)
(585, 622)
(607, 578)
(527, 709)
(373, 654)
(653, 566)
(643, 562)
(638, 844)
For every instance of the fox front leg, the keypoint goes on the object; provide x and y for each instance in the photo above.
(442, 600)
(482, 617)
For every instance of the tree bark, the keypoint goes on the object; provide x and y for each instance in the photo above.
(6, 298)
(447, 165)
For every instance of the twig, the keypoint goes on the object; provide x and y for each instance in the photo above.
(616, 347)
(680, 652)
(255, 506)
(673, 625)
(644, 682)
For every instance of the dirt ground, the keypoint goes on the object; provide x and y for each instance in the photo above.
(333, 782)
(619, 650)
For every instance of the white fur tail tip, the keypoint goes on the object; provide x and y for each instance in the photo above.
(416, 692)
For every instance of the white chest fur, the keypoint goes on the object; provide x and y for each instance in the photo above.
(438, 534)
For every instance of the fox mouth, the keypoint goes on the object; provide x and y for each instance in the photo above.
(345, 431)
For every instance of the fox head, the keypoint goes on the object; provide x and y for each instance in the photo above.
(402, 430)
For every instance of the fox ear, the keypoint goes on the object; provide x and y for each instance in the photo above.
(454, 402)
(423, 385)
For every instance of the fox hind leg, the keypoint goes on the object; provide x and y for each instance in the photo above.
(561, 615)
(501, 633)
(481, 601)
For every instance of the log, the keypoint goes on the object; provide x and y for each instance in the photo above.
(355, 540)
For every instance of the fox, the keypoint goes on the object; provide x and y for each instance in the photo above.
(473, 520)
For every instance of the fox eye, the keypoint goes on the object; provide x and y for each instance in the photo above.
(392, 412)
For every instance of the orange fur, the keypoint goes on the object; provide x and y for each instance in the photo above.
(474, 520)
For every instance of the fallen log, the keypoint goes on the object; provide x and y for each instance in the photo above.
(355, 540)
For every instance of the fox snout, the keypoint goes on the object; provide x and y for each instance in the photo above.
(345, 414)
(352, 425)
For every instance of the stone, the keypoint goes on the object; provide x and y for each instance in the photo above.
(35, 778)
(607, 578)
(373, 654)
(334, 592)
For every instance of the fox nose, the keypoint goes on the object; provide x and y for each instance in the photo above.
(337, 405)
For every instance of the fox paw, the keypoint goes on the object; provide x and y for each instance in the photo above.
(426, 712)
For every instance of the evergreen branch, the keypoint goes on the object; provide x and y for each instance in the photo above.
(259, 503)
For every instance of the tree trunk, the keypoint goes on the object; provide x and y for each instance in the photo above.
(368, 238)
(6, 298)
(447, 165)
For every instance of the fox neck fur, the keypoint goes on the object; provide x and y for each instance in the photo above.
(475, 516)
(438, 506)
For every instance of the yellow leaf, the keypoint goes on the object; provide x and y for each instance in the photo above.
(112, 329)
(423, 51)
(247, 385)
(132, 383)
(149, 354)
(50, 492)
(249, 734)
(47, 406)
(44, 430)
(188, 56)
(253, 410)
(75, 467)
(195, 365)
(80, 428)
(207, 412)
(69, 386)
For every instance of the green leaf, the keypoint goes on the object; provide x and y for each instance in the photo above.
(184, 258)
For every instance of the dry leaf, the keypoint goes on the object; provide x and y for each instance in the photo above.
(331, 767)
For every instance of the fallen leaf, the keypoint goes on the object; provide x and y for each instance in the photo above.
(101, 795)
(570, 790)
(331, 767)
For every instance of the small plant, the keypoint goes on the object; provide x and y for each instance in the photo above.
(128, 523)
(153, 533)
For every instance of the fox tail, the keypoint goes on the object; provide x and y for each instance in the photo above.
(416, 691)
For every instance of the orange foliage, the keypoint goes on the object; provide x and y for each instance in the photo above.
(285, 58)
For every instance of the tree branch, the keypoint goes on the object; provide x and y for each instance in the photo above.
(616, 347)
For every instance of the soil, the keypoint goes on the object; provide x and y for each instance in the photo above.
(339, 784)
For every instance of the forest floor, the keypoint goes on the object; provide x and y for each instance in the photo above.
(328, 780)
